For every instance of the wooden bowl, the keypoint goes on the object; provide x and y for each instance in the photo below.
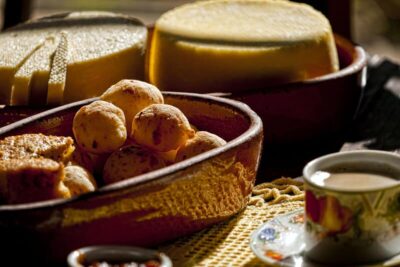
(148, 209)
(301, 111)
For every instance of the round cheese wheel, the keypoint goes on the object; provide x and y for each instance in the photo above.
(69, 57)
(232, 45)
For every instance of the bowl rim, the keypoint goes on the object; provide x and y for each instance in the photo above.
(73, 256)
(379, 156)
(358, 63)
(255, 128)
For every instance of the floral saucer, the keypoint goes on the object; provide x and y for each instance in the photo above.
(280, 242)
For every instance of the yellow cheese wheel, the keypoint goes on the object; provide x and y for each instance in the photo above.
(93, 50)
(230, 45)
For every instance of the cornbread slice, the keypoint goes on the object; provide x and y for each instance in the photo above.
(30, 81)
(26, 146)
(58, 73)
(30, 180)
(100, 48)
(232, 45)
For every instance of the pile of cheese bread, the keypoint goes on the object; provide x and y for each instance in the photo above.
(205, 46)
(128, 132)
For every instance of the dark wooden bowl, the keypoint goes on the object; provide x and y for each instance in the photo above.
(301, 111)
(148, 209)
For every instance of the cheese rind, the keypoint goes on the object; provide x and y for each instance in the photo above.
(232, 45)
(58, 73)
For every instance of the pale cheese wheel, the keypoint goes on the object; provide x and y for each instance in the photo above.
(95, 50)
(232, 45)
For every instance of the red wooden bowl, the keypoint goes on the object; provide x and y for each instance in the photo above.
(300, 111)
(148, 209)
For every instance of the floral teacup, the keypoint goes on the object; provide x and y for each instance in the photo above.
(350, 223)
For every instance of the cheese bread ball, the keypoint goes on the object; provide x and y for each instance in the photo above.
(99, 127)
(169, 156)
(201, 142)
(94, 163)
(78, 180)
(130, 161)
(161, 127)
(63, 191)
(132, 96)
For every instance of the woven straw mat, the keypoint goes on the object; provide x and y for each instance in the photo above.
(227, 243)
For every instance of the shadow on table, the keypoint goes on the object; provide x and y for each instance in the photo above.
(288, 160)
(377, 125)
(255, 262)
(192, 250)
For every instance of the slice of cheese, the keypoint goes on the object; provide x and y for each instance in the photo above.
(98, 50)
(233, 45)
(58, 74)
(30, 81)
(14, 51)
(105, 49)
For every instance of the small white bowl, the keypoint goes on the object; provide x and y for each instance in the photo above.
(109, 254)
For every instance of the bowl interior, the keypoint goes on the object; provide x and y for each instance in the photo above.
(115, 255)
(352, 59)
(346, 52)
